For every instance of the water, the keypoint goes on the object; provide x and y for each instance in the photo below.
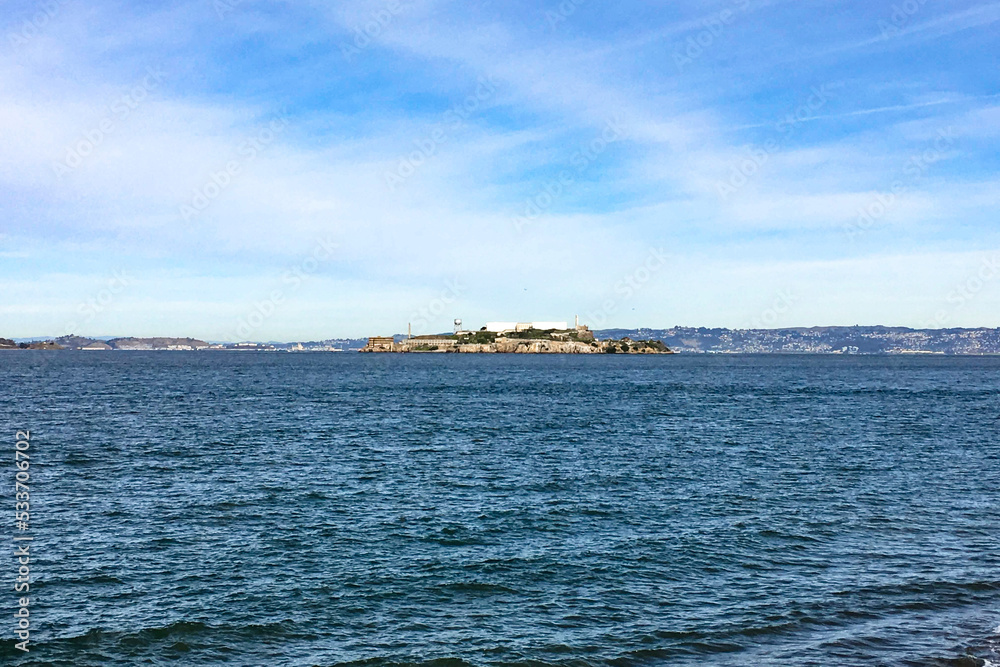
(278, 509)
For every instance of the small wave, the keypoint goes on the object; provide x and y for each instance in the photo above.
(389, 662)
(89, 580)
(478, 587)
(173, 631)
(71, 461)
(177, 632)
(937, 587)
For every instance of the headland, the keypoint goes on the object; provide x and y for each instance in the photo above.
(517, 338)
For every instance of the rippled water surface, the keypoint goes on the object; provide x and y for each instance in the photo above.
(322, 509)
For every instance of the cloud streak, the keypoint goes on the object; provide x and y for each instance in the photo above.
(171, 186)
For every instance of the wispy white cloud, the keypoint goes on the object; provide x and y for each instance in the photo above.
(350, 122)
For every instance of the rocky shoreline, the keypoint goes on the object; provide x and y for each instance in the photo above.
(522, 346)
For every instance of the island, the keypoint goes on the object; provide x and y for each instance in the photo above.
(517, 338)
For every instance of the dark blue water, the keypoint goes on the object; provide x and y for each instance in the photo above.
(323, 509)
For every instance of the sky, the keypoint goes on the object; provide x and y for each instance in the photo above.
(244, 170)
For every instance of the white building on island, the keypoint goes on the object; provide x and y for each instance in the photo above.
(500, 327)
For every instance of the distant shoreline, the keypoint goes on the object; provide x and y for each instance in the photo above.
(681, 353)
(857, 340)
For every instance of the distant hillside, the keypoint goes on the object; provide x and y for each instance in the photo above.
(161, 343)
(156, 343)
(74, 342)
(820, 340)
(8, 344)
(42, 345)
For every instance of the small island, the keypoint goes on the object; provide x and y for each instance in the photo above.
(517, 338)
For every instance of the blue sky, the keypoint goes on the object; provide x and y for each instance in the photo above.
(301, 170)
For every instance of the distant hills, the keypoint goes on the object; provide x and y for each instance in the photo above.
(696, 340)
(159, 343)
(168, 343)
(8, 344)
(819, 340)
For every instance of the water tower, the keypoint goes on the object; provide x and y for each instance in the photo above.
(458, 325)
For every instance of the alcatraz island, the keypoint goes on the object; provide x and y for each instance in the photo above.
(517, 338)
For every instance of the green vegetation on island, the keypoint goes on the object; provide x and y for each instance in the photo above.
(516, 340)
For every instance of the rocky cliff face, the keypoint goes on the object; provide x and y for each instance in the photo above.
(522, 346)
(543, 346)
